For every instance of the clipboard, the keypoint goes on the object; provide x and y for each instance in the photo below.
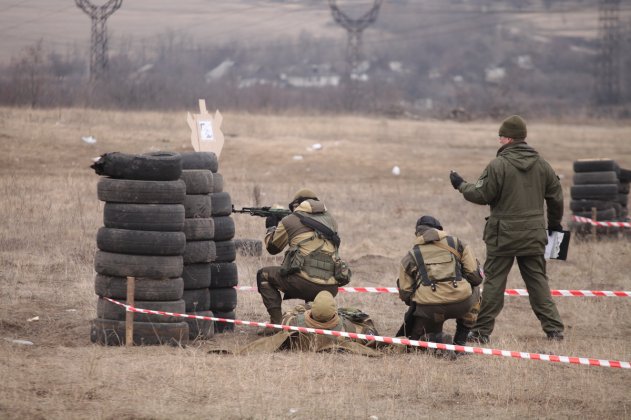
(558, 245)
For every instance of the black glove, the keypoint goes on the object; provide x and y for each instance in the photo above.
(272, 221)
(455, 179)
(555, 228)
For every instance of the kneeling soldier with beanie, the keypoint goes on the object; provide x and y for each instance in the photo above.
(431, 283)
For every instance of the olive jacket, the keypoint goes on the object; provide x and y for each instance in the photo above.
(515, 185)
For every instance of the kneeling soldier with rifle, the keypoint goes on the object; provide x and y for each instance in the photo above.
(430, 283)
(309, 266)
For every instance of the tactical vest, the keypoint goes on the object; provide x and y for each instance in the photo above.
(439, 273)
(317, 264)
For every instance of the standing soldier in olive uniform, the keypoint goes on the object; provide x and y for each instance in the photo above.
(515, 185)
(308, 268)
(430, 283)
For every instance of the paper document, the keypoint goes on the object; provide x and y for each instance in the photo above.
(557, 246)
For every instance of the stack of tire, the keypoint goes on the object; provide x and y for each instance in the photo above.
(210, 272)
(142, 237)
(602, 185)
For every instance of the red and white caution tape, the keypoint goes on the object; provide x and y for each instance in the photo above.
(507, 292)
(585, 293)
(594, 223)
(401, 341)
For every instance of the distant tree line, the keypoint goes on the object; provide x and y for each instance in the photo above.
(459, 65)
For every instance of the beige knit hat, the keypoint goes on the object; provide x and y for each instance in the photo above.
(324, 307)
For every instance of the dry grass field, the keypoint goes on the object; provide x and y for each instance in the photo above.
(50, 215)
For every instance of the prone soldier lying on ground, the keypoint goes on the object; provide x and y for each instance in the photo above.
(322, 314)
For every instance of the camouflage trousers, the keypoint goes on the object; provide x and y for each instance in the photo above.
(429, 319)
(270, 285)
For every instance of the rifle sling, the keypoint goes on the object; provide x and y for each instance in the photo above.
(421, 276)
(322, 229)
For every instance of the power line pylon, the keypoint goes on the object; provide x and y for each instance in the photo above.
(98, 46)
(608, 65)
(354, 29)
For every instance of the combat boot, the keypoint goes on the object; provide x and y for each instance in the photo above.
(477, 338)
(460, 338)
(275, 317)
(555, 336)
(445, 339)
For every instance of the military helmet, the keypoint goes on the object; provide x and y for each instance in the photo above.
(304, 193)
(301, 195)
(429, 221)
(513, 127)
(323, 308)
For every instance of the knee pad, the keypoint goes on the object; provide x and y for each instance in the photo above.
(261, 279)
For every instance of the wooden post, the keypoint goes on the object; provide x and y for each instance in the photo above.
(594, 218)
(129, 316)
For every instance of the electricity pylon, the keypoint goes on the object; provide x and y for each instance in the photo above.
(98, 44)
(608, 64)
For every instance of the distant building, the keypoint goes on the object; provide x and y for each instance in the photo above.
(315, 76)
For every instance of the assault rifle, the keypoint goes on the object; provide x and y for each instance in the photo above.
(263, 211)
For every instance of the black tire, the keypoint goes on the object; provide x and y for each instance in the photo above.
(145, 288)
(623, 188)
(112, 333)
(582, 178)
(225, 251)
(222, 204)
(217, 182)
(601, 215)
(584, 230)
(140, 242)
(223, 275)
(199, 252)
(198, 181)
(199, 229)
(108, 310)
(224, 228)
(151, 266)
(157, 166)
(605, 192)
(222, 327)
(200, 160)
(197, 300)
(141, 192)
(155, 217)
(199, 206)
(596, 165)
(200, 329)
(249, 247)
(223, 300)
(587, 205)
(625, 175)
(197, 276)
